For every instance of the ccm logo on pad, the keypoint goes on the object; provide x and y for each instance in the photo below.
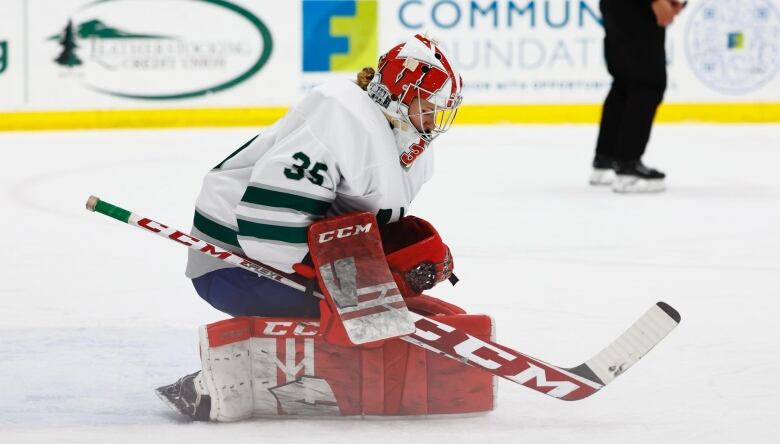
(354, 230)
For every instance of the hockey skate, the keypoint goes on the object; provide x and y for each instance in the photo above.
(603, 171)
(635, 177)
(186, 396)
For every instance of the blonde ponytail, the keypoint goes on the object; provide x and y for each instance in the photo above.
(364, 77)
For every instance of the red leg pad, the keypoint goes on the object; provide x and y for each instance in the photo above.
(397, 378)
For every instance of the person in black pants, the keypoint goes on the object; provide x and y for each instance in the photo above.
(636, 59)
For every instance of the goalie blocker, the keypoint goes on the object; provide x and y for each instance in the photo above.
(270, 367)
(366, 277)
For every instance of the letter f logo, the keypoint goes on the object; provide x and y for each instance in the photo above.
(339, 35)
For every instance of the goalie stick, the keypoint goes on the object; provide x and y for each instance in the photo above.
(569, 384)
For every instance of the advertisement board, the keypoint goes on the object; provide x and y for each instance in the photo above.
(12, 92)
(228, 60)
(120, 53)
(551, 51)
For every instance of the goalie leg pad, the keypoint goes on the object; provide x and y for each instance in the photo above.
(267, 367)
(227, 372)
(290, 369)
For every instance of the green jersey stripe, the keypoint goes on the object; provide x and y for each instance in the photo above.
(278, 199)
(291, 235)
(279, 223)
(329, 195)
(241, 148)
(215, 230)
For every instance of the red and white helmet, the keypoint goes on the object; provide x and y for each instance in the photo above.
(416, 68)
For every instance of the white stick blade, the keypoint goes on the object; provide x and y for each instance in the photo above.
(634, 343)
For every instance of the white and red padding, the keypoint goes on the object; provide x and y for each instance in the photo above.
(281, 367)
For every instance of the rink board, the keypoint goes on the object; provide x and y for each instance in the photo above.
(135, 64)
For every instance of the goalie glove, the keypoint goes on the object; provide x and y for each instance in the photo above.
(416, 255)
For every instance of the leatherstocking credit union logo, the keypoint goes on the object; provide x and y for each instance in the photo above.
(339, 35)
(733, 46)
(3, 56)
(141, 49)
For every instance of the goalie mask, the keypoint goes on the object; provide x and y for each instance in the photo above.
(419, 69)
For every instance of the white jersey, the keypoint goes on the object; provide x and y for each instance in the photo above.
(333, 153)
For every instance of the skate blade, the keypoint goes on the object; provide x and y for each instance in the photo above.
(630, 184)
(601, 177)
(159, 392)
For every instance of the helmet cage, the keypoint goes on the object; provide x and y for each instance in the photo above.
(443, 110)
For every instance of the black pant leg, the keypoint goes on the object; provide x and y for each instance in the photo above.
(614, 107)
(611, 120)
(636, 59)
(645, 77)
(639, 111)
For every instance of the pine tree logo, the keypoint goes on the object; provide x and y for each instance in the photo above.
(68, 56)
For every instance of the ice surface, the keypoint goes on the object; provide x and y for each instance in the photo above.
(94, 314)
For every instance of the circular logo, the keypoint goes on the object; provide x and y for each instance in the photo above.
(733, 46)
(143, 49)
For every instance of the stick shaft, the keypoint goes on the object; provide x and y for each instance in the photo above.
(130, 218)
